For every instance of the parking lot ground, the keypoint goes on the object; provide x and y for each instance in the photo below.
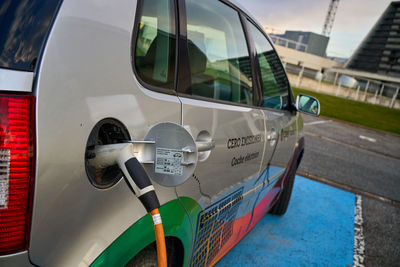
(381, 232)
(317, 230)
(365, 162)
(359, 158)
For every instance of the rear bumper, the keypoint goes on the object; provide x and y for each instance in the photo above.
(17, 259)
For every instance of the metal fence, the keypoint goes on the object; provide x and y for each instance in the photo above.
(371, 91)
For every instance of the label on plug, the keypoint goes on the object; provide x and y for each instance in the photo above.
(168, 161)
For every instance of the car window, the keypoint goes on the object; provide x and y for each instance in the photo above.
(218, 55)
(155, 44)
(23, 28)
(274, 81)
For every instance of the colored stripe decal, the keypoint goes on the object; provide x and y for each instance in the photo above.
(175, 221)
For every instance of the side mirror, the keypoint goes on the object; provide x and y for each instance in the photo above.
(308, 104)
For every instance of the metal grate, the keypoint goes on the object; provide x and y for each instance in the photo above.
(214, 229)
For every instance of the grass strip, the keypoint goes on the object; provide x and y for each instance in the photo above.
(365, 114)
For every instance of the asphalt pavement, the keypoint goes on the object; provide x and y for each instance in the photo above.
(365, 162)
(307, 235)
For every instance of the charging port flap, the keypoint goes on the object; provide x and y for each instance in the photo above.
(174, 154)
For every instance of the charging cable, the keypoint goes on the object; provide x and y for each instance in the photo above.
(140, 184)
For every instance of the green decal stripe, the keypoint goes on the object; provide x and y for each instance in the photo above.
(141, 234)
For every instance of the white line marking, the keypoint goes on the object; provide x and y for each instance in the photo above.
(315, 122)
(367, 138)
(359, 244)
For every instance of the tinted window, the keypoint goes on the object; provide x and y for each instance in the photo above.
(23, 28)
(218, 55)
(274, 82)
(155, 45)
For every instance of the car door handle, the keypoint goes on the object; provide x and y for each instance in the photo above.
(203, 146)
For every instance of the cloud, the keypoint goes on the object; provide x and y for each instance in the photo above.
(354, 15)
(306, 15)
(354, 18)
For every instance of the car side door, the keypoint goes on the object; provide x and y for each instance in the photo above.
(219, 108)
(280, 119)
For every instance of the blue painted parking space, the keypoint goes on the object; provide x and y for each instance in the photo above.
(317, 230)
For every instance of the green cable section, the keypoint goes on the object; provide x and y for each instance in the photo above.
(175, 221)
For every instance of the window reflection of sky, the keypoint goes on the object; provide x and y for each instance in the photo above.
(24, 24)
(216, 27)
(218, 53)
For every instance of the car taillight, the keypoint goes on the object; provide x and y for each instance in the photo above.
(16, 171)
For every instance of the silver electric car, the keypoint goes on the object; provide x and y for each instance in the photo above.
(194, 89)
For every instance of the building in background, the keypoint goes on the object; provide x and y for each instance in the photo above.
(379, 52)
(373, 71)
(314, 43)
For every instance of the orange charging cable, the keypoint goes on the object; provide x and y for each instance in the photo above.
(160, 238)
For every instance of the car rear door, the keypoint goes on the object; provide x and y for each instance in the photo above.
(219, 107)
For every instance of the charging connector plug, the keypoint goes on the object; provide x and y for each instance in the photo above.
(140, 184)
(145, 190)
(134, 173)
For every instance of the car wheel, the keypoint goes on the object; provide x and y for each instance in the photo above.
(148, 256)
(282, 203)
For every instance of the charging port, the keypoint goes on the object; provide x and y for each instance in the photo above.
(105, 132)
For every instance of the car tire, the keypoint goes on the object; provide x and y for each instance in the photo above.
(148, 256)
(282, 203)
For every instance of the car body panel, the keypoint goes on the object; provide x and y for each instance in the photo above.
(229, 170)
(179, 226)
(17, 259)
(84, 77)
(140, 234)
(228, 126)
(262, 206)
(15, 80)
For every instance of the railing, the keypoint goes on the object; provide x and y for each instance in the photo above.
(335, 83)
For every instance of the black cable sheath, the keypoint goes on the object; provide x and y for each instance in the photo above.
(150, 201)
(142, 180)
(137, 172)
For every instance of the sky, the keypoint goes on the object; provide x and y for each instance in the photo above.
(353, 21)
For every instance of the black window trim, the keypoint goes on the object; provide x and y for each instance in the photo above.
(135, 35)
(183, 77)
(38, 64)
(255, 67)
